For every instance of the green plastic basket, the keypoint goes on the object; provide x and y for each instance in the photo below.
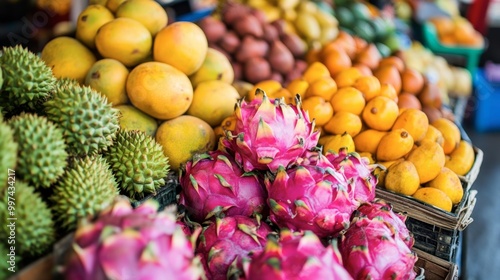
(431, 41)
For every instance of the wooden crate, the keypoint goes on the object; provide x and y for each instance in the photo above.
(436, 268)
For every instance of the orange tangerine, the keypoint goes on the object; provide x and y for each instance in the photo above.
(389, 74)
(343, 122)
(325, 87)
(380, 113)
(268, 86)
(337, 60)
(347, 77)
(368, 140)
(368, 85)
(365, 70)
(315, 71)
(388, 90)
(319, 109)
(298, 86)
(348, 99)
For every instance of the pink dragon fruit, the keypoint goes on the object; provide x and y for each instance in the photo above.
(296, 256)
(269, 133)
(224, 243)
(213, 183)
(124, 243)
(310, 197)
(358, 172)
(380, 209)
(370, 249)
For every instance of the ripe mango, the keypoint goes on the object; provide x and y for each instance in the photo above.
(461, 159)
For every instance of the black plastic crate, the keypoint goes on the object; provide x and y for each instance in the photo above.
(166, 195)
(437, 241)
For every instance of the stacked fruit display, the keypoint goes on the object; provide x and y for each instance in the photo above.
(258, 49)
(268, 167)
(79, 122)
(160, 77)
(388, 112)
(451, 80)
(456, 31)
(365, 21)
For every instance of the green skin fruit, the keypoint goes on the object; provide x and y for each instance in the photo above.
(8, 150)
(89, 123)
(42, 152)
(1, 78)
(138, 163)
(87, 187)
(27, 80)
(34, 226)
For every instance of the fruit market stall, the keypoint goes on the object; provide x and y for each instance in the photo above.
(266, 139)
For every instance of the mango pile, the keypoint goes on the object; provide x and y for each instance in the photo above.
(163, 77)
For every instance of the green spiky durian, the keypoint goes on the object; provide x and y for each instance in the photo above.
(6, 270)
(89, 123)
(138, 163)
(1, 80)
(87, 186)
(42, 151)
(8, 152)
(28, 81)
(34, 226)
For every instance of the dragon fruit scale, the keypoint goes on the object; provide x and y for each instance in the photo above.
(223, 245)
(126, 243)
(359, 173)
(213, 183)
(380, 209)
(370, 249)
(310, 197)
(269, 133)
(296, 256)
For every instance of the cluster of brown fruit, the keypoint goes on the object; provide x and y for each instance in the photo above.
(257, 49)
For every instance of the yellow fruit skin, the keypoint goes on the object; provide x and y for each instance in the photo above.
(429, 159)
(125, 40)
(132, 118)
(368, 140)
(433, 134)
(149, 13)
(213, 101)
(184, 136)
(461, 159)
(402, 177)
(395, 144)
(109, 77)
(160, 90)
(308, 26)
(270, 87)
(216, 66)
(451, 134)
(434, 197)
(113, 5)
(298, 86)
(242, 87)
(342, 122)
(449, 183)
(68, 58)
(181, 44)
(414, 121)
(89, 21)
(335, 143)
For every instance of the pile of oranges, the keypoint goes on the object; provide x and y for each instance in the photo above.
(456, 31)
(381, 109)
